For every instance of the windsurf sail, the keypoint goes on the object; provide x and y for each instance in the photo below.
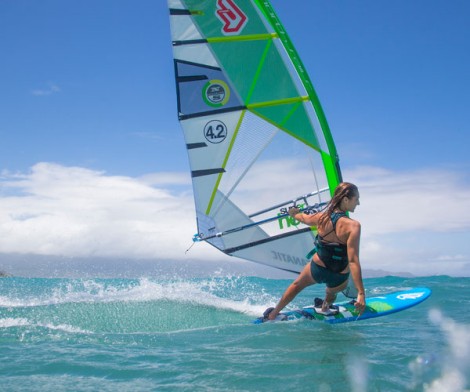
(256, 135)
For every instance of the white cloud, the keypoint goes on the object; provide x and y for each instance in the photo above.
(73, 211)
(416, 221)
(412, 221)
(423, 200)
(166, 179)
(51, 88)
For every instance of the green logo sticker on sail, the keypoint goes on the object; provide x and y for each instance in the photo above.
(216, 93)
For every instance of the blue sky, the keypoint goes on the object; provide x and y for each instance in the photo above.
(88, 116)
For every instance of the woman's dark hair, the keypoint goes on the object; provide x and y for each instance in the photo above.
(344, 189)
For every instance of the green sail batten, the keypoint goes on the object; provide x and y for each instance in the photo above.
(277, 102)
(330, 160)
(252, 37)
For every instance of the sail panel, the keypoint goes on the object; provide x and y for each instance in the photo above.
(202, 89)
(213, 135)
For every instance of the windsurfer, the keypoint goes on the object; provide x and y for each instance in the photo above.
(336, 252)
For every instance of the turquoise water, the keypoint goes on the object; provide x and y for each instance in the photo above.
(196, 335)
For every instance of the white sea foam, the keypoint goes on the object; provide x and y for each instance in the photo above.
(64, 328)
(456, 367)
(11, 322)
(96, 291)
(358, 374)
(7, 302)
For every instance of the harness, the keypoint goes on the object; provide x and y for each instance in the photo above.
(333, 254)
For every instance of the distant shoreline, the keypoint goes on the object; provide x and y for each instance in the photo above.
(36, 266)
(62, 267)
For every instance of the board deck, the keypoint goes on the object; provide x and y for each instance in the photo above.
(375, 307)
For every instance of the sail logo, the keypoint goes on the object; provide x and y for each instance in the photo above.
(216, 93)
(278, 256)
(289, 221)
(410, 296)
(231, 16)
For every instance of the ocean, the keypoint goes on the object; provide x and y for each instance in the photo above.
(153, 334)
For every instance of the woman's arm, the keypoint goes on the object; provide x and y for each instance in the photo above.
(310, 220)
(354, 264)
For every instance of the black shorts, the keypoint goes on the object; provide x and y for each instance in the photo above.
(323, 275)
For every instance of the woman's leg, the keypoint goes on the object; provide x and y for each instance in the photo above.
(303, 280)
(331, 293)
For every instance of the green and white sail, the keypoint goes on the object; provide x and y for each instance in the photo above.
(256, 135)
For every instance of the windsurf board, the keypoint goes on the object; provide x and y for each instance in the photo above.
(376, 306)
